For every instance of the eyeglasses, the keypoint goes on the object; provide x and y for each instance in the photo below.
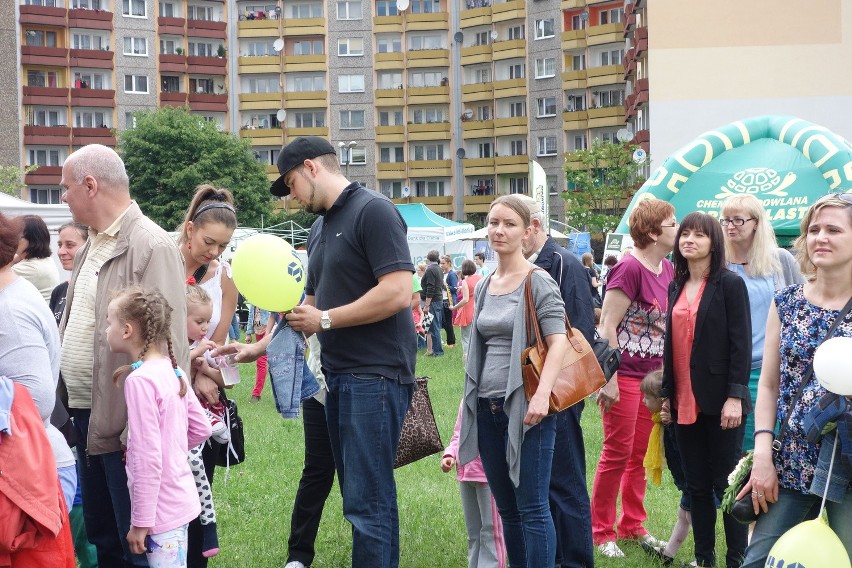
(847, 197)
(736, 221)
(670, 225)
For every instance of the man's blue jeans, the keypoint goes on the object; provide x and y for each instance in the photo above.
(436, 308)
(527, 525)
(106, 500)
(365, 414)
(791, 509)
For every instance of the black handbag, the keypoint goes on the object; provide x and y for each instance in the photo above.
(234, 452)
(608, 357)
(419, 436)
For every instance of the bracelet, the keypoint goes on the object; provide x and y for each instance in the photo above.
(756, 432)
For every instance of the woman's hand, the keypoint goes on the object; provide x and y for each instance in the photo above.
(538, 408)
(763, 484)
(206, 388)
(136, 539)
(732, 413)
(666, 412)
(609, 396)
(447, 463)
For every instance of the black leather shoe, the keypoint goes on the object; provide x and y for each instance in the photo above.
(656, 553)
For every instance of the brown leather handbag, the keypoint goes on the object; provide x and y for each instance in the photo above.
(580, 375)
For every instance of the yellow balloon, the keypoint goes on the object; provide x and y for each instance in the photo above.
(811, 544)
(268, 273)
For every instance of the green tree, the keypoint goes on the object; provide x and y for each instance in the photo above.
(171, 151)
(11, 179)
(601, 181)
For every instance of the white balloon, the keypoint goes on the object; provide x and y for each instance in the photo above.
(831, 368)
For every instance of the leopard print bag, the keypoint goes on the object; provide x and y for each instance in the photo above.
(419, 436)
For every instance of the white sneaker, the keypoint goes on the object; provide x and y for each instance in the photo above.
(653, 541)
(294, 564)
(610, 550)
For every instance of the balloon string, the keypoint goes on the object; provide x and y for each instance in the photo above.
(828, 480)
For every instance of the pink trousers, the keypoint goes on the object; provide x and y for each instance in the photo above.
(260, 375)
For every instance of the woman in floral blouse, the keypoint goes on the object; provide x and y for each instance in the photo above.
(799, 319)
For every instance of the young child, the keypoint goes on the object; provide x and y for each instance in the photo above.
(164, 420)
(485, 545)
(199, 308)
(662, 436)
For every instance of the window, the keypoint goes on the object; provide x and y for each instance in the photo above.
(129, 120)
(45, 196)
(578, 23)
(200, 49)
(517, 71)
(575, 103)
(518, 147)
(262, 85)
(425, 6)
(204, 13)
(40, 38)
(547, 145)
(482, 75)
(389, 154)
(579, 143)
(390, 118)
(267, 156)
(45, 117)
(304, 83)
(44, 157)
(168, 46)
(517, 109)
(428, 115)
(357, 156)
(350, 84)
(481, 38)
(484, 112)
(425, 78)
(135, 46)
(134, 8)
(170, 84)
(518, 185)
(42, 78)
(311, 119)
(429, 188)
(201, 86)
(306, 47)
(425, 41)
(87, 4)
(301, 11)
(389, 80)
(485, 150)
(389, 43)
(546, 106)
(91, 80)
(392, 189)
(516, 32)
(167, 10)
(578, 62)
(260, 120)
(386, 8)
(545, 67)
(614, 57)
(48, 3)
(351, 119)
(258, 48)
(92, 119)
(135, 84)
(349, 10)
(89, 41)
(612, 16)
(550, 182)
(608, 98)
(544, 28)
(350, 47)
(428, 152)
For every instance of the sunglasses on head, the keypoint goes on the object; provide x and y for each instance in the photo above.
(843, 196)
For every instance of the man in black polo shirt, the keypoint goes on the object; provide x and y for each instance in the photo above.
(358, 297)
(433, 287)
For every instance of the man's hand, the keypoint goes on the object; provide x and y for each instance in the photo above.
(305, 318)
(242, 352)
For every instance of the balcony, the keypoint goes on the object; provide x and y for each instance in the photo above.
(510, 88)
(261, 101)
(435, 204)
(303, 27)
(92, 58)
(83, 136)
(605, 75)
(391, 170)
(294, 132)
(480, 16)
(509, 49)
(429, 131)
(607, 116)
(478, 167)
(206, 28)
(641, 40)
(44, 175)
(477, 129)
(573, 80)
(393, 60)
(263, 136)
(172, 99)
(172, 63)
(306, 99)
(428, 95)
(476, 54)
(48, 96)
(93, 98)
(305, 63)
(42, 15)
(508, 11)
(259, 64)
(206, 65)
(49, 56)
(606, 33)
(49, 135)
(514, 126)
(390, 97)
(478, 203)
(387, 24)
(630, 63)
(573, 39)
(208, 102)
(430, 168)
(427, 22)
(171, 26)
(477, 92)
(90, 19)
(575, 120)
(643, 138)
(429, 58)
(512, 164)
(388, 134)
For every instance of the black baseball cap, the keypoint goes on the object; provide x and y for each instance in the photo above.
(294, 154)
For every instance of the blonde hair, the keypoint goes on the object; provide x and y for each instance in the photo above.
(197, 295)
(801, 244)
(652, 384)
(762, 257)
(516, 204)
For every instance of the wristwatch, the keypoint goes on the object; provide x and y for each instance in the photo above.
(325, 321)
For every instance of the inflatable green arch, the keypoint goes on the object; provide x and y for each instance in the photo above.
(786, 162)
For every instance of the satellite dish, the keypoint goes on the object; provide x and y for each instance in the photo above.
(622, 135)
(494, 35)
(281, 115)
(278, 45)
(406, 191)
(459, 37)
(460, 153)
(468, 114)
(629, 132)
(639, 155)
(402, 5)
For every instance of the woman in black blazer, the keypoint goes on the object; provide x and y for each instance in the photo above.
(705, 378)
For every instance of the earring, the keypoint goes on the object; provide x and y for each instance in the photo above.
(188, 246)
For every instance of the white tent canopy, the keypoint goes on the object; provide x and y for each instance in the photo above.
(429, 231)
(482, 235)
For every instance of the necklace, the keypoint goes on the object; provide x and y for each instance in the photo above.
(656, 270)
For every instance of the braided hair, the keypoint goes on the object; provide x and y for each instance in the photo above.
(151, 313)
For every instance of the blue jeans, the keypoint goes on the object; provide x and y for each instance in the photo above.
(791, 509)
(437, 310)
(106, 500)
(365, 413)
(569, 498)
(527, 525)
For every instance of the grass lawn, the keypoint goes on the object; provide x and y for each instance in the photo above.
(254, 505)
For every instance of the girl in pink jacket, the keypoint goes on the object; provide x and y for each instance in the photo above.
(485, 546)
(164, 420)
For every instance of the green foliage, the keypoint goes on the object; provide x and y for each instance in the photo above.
(171, 151)
(11, 179)
(601, 180)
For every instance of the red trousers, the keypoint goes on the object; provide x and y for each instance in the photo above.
(627, 427)
(260, 374)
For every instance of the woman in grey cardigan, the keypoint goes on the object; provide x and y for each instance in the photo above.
(513, 437)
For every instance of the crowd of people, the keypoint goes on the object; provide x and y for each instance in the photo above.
(116, 377)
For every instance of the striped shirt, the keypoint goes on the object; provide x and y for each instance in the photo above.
(78, 342)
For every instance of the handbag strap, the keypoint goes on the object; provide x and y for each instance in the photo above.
(806, 378)
(533, 327)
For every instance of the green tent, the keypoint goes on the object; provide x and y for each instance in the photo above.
(786, 162)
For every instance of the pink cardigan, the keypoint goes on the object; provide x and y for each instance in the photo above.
(162, 427)
(471, 471)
